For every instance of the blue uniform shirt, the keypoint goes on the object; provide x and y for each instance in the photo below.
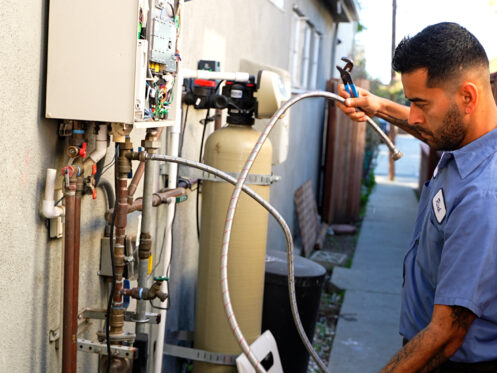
(452, 258)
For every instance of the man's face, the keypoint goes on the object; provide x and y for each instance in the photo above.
(434, 113)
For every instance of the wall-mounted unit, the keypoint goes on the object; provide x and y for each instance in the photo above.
(111, 61)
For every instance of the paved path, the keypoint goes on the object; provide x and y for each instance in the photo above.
(367, 331)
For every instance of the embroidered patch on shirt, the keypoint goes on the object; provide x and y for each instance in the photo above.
(439, 206)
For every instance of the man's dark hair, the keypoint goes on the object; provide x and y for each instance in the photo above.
(445, 49)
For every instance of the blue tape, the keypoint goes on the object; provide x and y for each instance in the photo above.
(79, 132)
(140, 293)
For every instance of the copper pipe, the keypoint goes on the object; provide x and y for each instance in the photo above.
(136, 180)
(69, 351)
(157, 198)
(77, 226)
(124, 167)
(138, 175)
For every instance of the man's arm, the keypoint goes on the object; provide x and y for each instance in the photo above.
(436, 343)
(372, 106)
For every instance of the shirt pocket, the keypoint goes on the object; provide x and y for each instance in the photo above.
(408, 258)
(430, 250)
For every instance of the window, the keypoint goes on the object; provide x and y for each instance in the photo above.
(279, 3)
(304, 53)
(313, 75)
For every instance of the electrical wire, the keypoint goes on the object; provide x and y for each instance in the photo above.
(161, 308)
(60, 200)
(113, 286)
(291, 276)
(183, 128)
(197, 202)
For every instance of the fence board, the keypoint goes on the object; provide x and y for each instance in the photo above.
(344, 157)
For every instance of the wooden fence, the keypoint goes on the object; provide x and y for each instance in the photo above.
(343, 165)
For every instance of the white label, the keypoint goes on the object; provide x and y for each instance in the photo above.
(439, 206)
(236, 93)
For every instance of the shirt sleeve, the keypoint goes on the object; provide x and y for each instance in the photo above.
(467, 275)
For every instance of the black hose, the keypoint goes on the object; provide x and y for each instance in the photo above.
(113, 287)
(106, 186)
(199, 183)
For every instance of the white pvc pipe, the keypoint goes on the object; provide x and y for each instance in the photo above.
(172, 149)
(214, 75)
(49, 210)
(100, 145)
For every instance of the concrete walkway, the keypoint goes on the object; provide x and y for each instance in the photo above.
(367, 331)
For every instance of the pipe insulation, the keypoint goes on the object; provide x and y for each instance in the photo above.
(229, 224)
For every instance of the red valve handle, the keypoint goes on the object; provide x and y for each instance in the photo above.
(69, 170)
(93, 193)
(82, 150)
(94, 169)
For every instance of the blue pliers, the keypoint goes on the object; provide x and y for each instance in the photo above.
(346, 78)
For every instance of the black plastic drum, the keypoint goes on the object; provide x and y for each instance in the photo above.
(277, 316)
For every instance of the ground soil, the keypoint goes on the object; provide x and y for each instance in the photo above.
(331, 301)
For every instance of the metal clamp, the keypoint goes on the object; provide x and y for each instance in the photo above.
(200, 355)
(252, 179)
(101, 348)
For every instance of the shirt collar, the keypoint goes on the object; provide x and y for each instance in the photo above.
(470, 156)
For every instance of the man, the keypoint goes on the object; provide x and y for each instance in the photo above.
(449, 295)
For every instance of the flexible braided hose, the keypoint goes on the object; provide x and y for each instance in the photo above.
(229, 222)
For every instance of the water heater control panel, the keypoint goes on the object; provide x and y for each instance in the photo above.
(112, 61)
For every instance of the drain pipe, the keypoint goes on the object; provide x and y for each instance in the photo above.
(100, 149)
(173, 146)
(48, 209)
(151, 144)
(75, 272)
(173, 149)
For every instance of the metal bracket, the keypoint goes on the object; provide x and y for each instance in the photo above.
(99, 314)
(252, 179)
(101, 348)
(200, 355)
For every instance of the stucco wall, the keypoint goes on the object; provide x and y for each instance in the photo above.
(229, 31)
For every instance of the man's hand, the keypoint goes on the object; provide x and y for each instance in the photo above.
(369, 104)
(436, 343)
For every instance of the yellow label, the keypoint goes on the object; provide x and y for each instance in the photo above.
(150, 261)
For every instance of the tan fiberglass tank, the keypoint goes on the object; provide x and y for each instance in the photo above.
(228, 150)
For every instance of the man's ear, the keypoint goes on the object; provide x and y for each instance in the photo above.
(469, 96)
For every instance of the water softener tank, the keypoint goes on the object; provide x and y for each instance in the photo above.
(227, 149)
